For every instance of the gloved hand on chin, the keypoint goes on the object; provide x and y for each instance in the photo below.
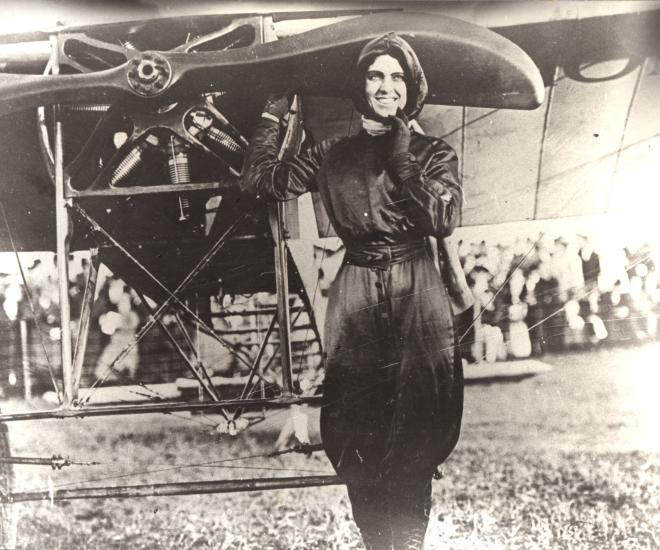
(402, 164)
(399, 134)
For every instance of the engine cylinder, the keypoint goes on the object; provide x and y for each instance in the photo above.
(179, 169)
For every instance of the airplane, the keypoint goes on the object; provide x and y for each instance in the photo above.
(125, 130)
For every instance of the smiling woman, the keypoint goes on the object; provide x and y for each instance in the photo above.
(393, 390)
(385, 89)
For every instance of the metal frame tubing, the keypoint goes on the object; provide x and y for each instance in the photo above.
(195, 367)
(172, 295)
(163, 407)
(85, 319)
(184, 488)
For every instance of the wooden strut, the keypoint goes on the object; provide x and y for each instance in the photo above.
(183, 488)
(255, 366)
(63, 237)
(290, 145)
(283, 313)
(226, 185)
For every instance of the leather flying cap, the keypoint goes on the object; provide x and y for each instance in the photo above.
(399, 49)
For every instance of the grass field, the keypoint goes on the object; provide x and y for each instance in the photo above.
(568, 459)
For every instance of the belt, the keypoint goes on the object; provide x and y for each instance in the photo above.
(382, 256)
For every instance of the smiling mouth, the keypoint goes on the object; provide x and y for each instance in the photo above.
(386, 100)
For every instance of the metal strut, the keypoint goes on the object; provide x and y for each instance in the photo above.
(171, 295)
(85, 316)
(163, 407)
(56, 462)
(185, 488)
(196, 367)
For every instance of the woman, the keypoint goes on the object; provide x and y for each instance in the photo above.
(394, 388)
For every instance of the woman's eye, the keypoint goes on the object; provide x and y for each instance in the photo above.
(373, 76)
(397, 77)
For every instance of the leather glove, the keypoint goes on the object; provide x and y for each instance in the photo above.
(277, 107)
(399, 134)
(402, 164)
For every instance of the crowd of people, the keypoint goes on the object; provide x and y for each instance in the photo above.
(531, 297)
(116, 316)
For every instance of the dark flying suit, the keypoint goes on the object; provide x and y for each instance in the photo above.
(393, 392)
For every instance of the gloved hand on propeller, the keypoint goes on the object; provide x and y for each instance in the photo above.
(276, 108)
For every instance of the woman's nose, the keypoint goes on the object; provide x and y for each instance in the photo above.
(386, 84)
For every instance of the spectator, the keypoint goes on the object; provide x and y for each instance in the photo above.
(547, 318)
(120, 326)
(590, 263)
(520, 344)
(533, 312)
(574, 332)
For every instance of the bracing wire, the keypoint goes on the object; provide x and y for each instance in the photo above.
(31, 302)
(171, 297)
(363, 392)
(502, 287)
(499, 290)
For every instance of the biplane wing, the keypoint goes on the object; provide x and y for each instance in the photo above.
(590, 149)
(552, 110)
(594, 131)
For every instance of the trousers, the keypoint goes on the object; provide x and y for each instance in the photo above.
(393, 512)
(393, 389)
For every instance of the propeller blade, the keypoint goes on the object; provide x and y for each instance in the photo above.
(464, 64)
(24, 91)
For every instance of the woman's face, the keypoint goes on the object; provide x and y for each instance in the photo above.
(385, 87)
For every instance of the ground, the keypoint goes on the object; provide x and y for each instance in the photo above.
(567, 459)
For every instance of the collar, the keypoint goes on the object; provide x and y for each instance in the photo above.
(374, 127)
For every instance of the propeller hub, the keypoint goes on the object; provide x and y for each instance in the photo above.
(149, 74)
